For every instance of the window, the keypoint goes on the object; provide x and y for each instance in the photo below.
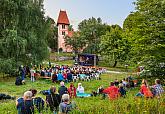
(63, 32)
(63, 26)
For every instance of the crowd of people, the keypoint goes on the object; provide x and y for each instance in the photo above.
(59, 73)
(61, 100)
(57, 101)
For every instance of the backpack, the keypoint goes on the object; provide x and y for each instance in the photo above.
(66, 108)
(38, 103)
(45, 92)
(25, 107)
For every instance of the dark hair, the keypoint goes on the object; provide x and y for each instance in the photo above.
(157, 81)
(112, 84)
(34, 92)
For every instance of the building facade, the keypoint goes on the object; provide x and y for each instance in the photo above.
(63, 30)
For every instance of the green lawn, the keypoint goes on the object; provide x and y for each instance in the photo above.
(91, 105)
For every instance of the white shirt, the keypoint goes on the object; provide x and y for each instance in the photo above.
(80, 89)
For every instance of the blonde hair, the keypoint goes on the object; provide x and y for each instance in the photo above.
(28, 95)
(79, 84)
(65, 97)
(120, 85)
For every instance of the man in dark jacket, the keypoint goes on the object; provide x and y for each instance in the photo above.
(53, 100)
(62, 89)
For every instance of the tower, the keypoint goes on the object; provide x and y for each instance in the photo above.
(63, 25)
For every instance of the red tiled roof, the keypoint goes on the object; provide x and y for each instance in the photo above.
(63, 18)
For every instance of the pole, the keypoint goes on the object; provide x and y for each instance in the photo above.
(95, 60)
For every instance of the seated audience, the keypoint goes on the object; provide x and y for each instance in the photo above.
(80, 88)
(25, 104)
(157, 88)
(122, 91)
(80, 91)
(100, 89)
(111, 91)
(72, 91)
(144, 90)
(66, 106)
(62, 89)
(53, 100)
(38, 102)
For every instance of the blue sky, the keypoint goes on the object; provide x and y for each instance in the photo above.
(110, 11)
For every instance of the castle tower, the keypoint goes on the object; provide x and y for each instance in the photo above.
(63, 25)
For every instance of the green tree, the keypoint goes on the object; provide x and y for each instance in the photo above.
(23, 31)
(52, 35)
(148, 35)
(113, 45)
(76, 42)
(91, 31)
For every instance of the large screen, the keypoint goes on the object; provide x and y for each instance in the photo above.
(87, 59)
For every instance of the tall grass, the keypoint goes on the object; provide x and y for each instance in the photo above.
(91, 105)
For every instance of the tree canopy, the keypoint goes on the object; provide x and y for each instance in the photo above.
(23, 32)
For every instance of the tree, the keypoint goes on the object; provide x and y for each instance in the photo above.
(52, 35)
(76, 42)
(23, 32)
(113, 45)
(91, 30)
(148, 35)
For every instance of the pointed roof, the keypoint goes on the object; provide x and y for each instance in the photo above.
(63, 18)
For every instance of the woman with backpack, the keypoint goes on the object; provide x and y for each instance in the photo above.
(25, 104)
(53, 100)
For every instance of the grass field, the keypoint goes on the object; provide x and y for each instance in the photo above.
(91, 105)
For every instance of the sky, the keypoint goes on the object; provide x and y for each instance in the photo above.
(110, 11)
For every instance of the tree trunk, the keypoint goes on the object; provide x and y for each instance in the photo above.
(115, 64)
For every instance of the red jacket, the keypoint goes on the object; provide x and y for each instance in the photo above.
(72, 91)
(112, 91)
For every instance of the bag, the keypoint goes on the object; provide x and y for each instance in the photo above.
(153, 91)
(25, 107)
(45, 92)
(66, 108)
(38, 103)
(18, 81)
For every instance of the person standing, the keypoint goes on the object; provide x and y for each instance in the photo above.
(32, 72)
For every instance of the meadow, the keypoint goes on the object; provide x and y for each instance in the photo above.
(91, 105)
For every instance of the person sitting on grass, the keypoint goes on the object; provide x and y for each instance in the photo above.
(25, 104)
(38, 102)
(72, 91)
(111, 91)
(62, 89)
(54, 77)
(66, 106)
(100, 90)
(80, 91)
(144, 90)
(53, 100)
(122, 91)
(157, 88)
(60, 76)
